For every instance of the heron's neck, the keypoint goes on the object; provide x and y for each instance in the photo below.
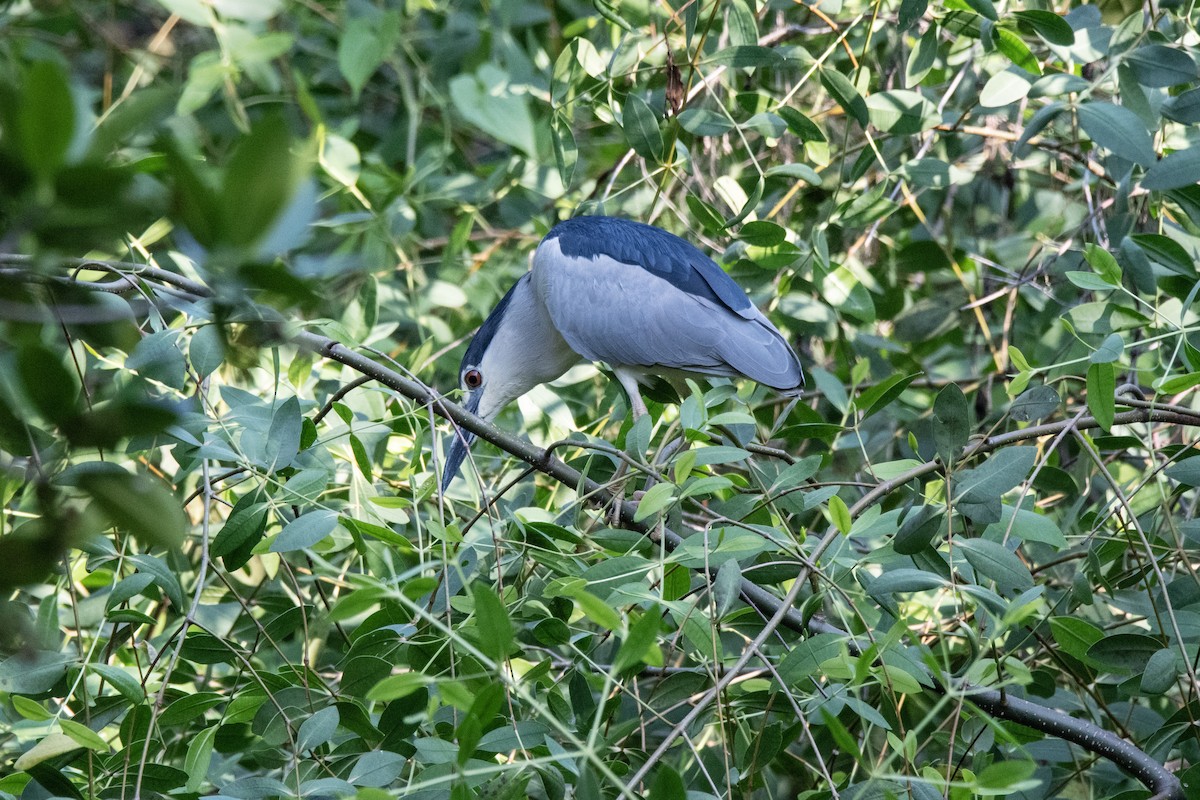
(526, 350)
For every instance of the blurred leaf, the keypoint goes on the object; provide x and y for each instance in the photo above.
(902, 111)
(46, 117)
(260, 181)
(1166, 252)
(366, 42)
(137, 504)
(488, 100)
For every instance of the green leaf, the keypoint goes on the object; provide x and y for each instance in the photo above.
(305, 531)
(923, 56)
(726, 587)
(985, 8)
(1050, 26)
(703, 122)
(317, 729)
(1186, 471)
(995, 561)
(951, 423)
(1109, 350)
(1124, 652)
(1101, 393)
(1179, 383)
(260, 181)
(1104, 263)
(917, 530)
(979, 490)
(1005, 88)
(1075, 636)
(667, 785)
(125, 683)
(747, 56)
(1179, 169)
(377, 768)
(902, 112)
(488, 100)
(840, 515)
(395, 687)
(654, 501)
(641, 129)
(904, 579)
(1006, 777)
(1011, 45)
(199, 757)
(1157, 66)
(1026, 525)
(83, 735)
(1160, 672)
(641, 643)
(45, 117)
(1089, 281)
(206, 350)
(137, 504)
(1167, 252)
(491, 618)
(804, 128)
(1035, 404)
(881, 395)
(846, 96)
(1184, 107)
(365, 43)
(911, 11)
(1117, 130)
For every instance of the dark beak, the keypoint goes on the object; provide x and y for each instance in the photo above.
(460, 445)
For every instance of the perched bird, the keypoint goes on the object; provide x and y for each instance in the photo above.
(634, 296)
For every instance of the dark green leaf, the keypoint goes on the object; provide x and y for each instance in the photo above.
(1179, 169)
(917, 530)
(1160, 672)
(726, 587)
(138, 504)
(1167, 252)
(1101, 393)
(923, 55)
(804, 128)
(911, 11)
(1184, 107)
(493, 625)
(1124, 652)
(260, 181)
(1050, 26)
(881, 395)
(642, 637)
(995, 561)
(305, 531)
(846, 96)
(1157, 66)
(703, 122)
(45, 117)
(641, 129)
(1035, 404)
(747, 56)
(951, 423)
(1117, 130)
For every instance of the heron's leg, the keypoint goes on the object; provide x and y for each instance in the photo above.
(629, 383)
(637, 407)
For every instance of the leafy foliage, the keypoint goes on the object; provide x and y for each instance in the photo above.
(226, 569)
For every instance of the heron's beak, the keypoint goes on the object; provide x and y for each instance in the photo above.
(460, 444)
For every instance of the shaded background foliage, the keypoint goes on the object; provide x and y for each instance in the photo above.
(218, 552)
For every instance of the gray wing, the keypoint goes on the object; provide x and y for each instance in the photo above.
(628, 316)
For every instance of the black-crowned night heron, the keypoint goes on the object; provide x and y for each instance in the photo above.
(634, 296)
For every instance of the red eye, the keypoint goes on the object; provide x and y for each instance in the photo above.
(472, 379)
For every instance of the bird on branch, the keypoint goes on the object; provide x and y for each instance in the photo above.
(644, 301)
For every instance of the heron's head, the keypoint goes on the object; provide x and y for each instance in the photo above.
(500, 365)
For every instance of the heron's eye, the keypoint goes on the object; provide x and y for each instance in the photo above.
(472, 379)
